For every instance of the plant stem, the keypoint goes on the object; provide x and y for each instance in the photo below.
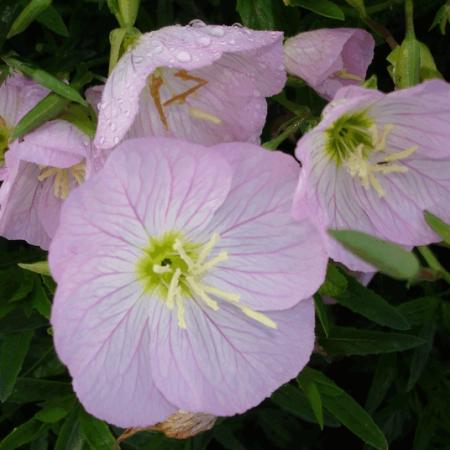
(433, 262)
(409, 16)
(381, 30)
(274, 143)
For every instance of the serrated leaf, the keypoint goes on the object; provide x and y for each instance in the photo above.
(13, 351)
(324, 8)
(309, 387)
(438, 226)
(387, 257)
(27, 16)
(52, 20)
(347, 410)
(367, 303)
(354, 341)
(256, 14)
(47, 80)
(96, 432)
(22, 435)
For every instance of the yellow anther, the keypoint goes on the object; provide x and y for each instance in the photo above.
(61, 183)
(203, 115)
(347, 75)
(258, 316)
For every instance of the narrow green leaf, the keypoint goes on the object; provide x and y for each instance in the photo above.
(312, 394)
(256, 14)
(27, 16)
(347, 410)
(324, 8)
(438, 226)
(52, 20)
(116, 39)
(47, 109)
(322, 314)
(22, 435)
(47, 80)
(387, 257)
(80, 116)
(40, 299)
(383, 377)
(335, 282)
(128, 11)
(367, 303)
(30, 390)
(40, 267)
(353, 341)
(13, 351)
(70, 436)
(51, 414)
(96, 432)
(16, 321)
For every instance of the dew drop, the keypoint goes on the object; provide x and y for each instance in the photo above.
(197, 23)
(116, 140)
(138, 59)
(216, 31)
(183, 56)
(237, 25)
(204, 40)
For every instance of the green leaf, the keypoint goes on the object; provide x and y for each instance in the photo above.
(81, 117)
(383, 377)
(256, 14)
(52, 20)
(16, 321)
(51, 414)
(30, 390)
(40, 267)
(116, 39)
(70, 436)
(438, 226)
(353, 341)
(324, 8)
(347, 410)
(367, 303)
(335, 282)
(13, 351)
(128, 11)
(22, 435)
(27, 16)
(312, 394)
(322, 314)
(387, 257)
(47, 80)
(96, 432)
(40, 300)
(47, 109)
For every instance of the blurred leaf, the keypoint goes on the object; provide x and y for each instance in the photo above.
(22, 435)
(347, 410)
(438, 226)
(322, 314)
(52, 20)
(256, 14)
(13, 350)
(30, 390)
(15, 284)
(70, 436)
(367, 303)
(383, 377)
(353, 341)
(51, 414)
(16, 321)
(96, 432)
(389, 258)
(47, 80)
(442, 18)
(37, 267)
(40, 300)
(419, 309)
(324, 8)
(28, 15)
(312, 394)
(225, 436)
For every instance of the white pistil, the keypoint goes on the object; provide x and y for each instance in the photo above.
(203, 115)
(359, 165)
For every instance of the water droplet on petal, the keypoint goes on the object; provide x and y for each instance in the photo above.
(183, 56)
(100, 106)
(204, 40)
(237, 25)
(116, 140)
(197, 23)
(216, 31)
(137, 59)
(232, 42)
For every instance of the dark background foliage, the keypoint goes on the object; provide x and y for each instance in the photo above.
(391, 358)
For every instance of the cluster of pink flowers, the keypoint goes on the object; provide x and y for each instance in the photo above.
(186, 255)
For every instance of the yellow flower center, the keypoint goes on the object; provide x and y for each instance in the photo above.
(160, 78)
(355, 142)
(64, 179)
(173, 269)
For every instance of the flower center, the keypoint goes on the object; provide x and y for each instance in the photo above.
(4, 137)
(355, 142)
(64, 179)
(173, 268)
(159, 79)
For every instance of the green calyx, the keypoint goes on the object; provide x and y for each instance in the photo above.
(4, 138)
(160, 255)
(346, 134)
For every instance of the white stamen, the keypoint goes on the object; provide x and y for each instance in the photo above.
(178, 246)
(198, 289)
(173, 287)
(233, 298)
(222, 256)
(180, 309)
(206, 249)
(258, 316)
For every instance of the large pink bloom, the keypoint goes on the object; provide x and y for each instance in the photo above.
(328, 59)
(205, 84)
(41, 170)
(375, 163)
(183, 281)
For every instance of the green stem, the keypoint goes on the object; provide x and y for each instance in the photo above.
(409, 16)
(381, 30)
(433, 262)
(274, 143)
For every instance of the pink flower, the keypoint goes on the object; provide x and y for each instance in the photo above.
(41, 171)
(183, 281)
(375, 163)
(205, 84)
(328, 59)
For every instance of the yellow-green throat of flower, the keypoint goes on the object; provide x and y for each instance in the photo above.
(355, 142)
(173, 268)
(4, 138)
